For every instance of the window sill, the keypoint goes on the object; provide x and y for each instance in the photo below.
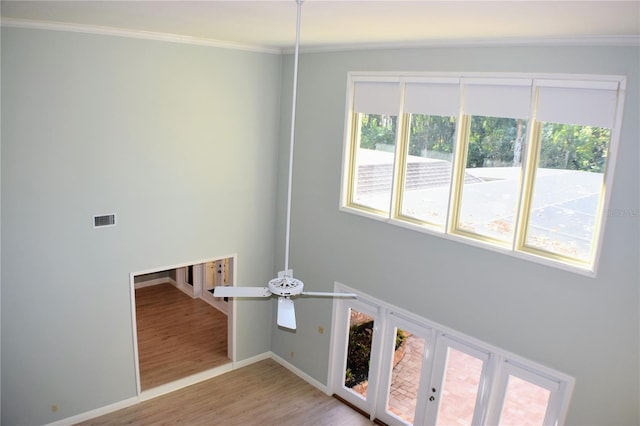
(530, 257)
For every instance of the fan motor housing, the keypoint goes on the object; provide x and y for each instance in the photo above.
(286, 286)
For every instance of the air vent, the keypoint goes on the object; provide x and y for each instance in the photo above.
(104, 220)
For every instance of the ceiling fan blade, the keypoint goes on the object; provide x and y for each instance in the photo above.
(230, 291)
(286, 313)
(324, 294)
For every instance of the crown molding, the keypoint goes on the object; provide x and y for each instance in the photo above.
(586, 41)
(577, 41)
(127, 33)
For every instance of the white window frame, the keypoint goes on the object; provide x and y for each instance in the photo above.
(516, 249)
(499, 364)
(396, 320)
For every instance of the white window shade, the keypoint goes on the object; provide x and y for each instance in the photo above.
(498, 100)
(432, 99)
(583, 106)
(377, 98)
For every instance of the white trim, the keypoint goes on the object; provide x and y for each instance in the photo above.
(304, 376)
(183, 264)
(495, 361)
(231, 325)
(447, 76)
(155, 281)
(592, 41)
(251, 360)
(134, 331)
(451, 333)
(88, 415)
(595, 81)
(188, 381)
(185, 381)
(471, 242)
(605, 40)
(129, 33)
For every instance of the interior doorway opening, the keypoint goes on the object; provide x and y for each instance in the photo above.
(182, 333)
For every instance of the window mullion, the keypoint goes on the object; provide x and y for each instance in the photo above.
(457, 181)
(353, 166)
(530, 165)
(400, 165)
(399, 160)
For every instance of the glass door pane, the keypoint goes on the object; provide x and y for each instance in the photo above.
(407, 363)
(525, 403)
(459, 388)
(356, 377)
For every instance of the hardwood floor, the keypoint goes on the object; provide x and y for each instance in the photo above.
(177, 335)
(264, 393)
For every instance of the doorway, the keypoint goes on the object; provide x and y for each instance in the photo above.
(182, 334)
(403, 369)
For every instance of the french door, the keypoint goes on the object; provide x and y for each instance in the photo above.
(404, 370)
(360, 343)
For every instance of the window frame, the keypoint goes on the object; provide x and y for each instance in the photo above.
(517, 247)
(498, 364)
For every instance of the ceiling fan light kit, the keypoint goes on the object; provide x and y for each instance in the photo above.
(285, 285)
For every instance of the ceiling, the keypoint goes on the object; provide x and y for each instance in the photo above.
(334, 24)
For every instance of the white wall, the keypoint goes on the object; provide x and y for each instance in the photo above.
(585, 327)
(180, 142)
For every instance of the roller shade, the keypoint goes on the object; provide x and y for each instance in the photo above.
(377, 98)
(432, 98)
(586, 106)
(511, 99)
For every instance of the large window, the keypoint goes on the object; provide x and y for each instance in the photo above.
(517, 163)
(402, 369)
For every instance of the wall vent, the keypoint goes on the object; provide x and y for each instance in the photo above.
(104, 220)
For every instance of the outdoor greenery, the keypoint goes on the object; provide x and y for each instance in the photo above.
(431, 133)
(378, 129)
(574, 147)
(493, 141)
(359, 352)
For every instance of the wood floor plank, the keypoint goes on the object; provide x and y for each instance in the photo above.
(264, 393)
(177, 335)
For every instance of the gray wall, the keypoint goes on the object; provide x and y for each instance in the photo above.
(180, 142)
(158, 133)
(585, 327)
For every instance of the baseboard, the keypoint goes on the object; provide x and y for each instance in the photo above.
(210, 303)
(155, 281)
(96, 413)
(252, 360)
(188, 381)
(185, 381)
(295, 370)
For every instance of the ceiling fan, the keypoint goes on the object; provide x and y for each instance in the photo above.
(285, 286)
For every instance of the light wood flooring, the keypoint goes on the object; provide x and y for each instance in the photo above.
(177, 335)
(264, 393)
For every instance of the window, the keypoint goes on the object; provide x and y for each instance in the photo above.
(403, 369)
(517, 163)
(375, 133)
